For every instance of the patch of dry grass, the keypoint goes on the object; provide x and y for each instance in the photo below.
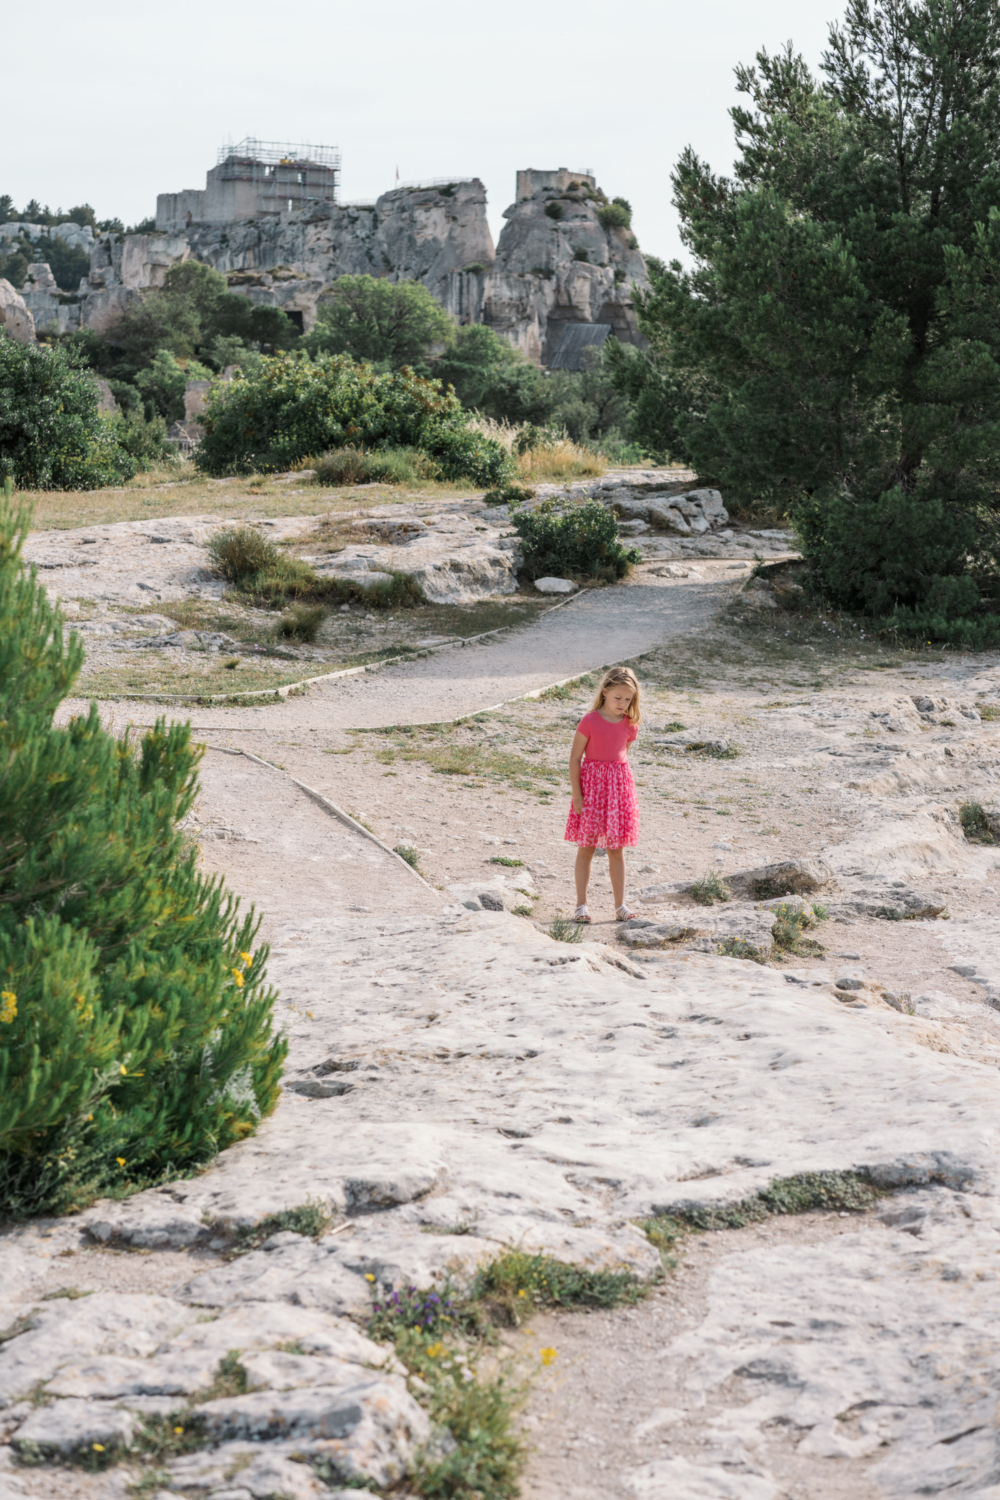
(182, 491)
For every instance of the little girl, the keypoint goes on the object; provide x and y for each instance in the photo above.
(605, 814)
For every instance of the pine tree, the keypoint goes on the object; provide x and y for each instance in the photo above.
(835, 347)
(136, 1033)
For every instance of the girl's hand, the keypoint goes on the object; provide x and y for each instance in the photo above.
(577, 803)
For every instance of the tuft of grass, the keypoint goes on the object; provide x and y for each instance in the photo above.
(302, 622)
(506, 859)
(988, 711)
(674, 727)
(836, 1192)
(738, 947)
(516, 1284)
(714, 749)
(560, 458)
(789, 924)
(230, 1378)
(978, 825)
(311, 1219)
(565, 930)
(709, 889)
(522, 911)
(349, 466)
(409, 854)
(242, 552)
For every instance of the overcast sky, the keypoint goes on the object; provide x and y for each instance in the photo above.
(112, 102)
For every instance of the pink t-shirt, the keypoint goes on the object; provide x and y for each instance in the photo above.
(606, 741)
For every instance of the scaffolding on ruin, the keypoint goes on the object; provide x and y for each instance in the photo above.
(276, 166)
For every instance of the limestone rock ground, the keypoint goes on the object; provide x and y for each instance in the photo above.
(525, 1091)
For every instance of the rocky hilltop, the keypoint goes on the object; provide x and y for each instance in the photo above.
(556, 262)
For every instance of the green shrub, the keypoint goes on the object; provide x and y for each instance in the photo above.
(408, 853)
(162, 385)
(145, 440)
(581, 254)
(264, 574)
(901, 557)
(391, 323)
(583, 542)
(135, 1026)
(302, 622)
(284, 409)
(554, 210)
(614, 216)
(388, 465)
(565, 930)
(241, 552)
(979, 826)
(52, 436)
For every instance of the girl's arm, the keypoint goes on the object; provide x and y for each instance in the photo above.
(575, 757)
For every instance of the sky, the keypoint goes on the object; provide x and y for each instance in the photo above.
(112, 102)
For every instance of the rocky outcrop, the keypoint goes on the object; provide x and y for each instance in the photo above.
(15, 318)
(556, 263)
(409, 234)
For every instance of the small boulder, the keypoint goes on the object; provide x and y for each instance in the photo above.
(789, 877)
(555, 586)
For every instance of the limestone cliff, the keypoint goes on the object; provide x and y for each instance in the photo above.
(556, 262)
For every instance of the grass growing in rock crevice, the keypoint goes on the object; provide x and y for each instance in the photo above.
(834, 1192)
(311, 1219)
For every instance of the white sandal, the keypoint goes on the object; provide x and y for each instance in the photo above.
(624, 914)
(581, 914)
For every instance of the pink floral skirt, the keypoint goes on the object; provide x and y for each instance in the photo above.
(610, 817)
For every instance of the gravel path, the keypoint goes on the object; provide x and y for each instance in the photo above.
(597, 629)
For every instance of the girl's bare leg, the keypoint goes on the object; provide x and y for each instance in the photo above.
(581, 872)
(616, 869)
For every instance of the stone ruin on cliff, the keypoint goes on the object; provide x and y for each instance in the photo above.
(270, 220)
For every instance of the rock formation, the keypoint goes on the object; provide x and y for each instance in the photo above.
(15, 319)
(556, 262)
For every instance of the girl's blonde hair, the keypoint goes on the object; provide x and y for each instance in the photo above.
(620, 677)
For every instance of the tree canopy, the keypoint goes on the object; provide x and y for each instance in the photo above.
(835, 344)
(387, 323)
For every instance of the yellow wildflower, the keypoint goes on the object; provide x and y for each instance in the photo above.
(547, 1355)
(178, 1430)
(433, 1350)
(120, 1160)
(522, 1294)
(98, 1447)
(237, 978)
(8, 1006)
(247, 959)
(123, 1071)
(369, 1276)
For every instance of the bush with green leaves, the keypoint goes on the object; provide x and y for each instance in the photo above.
(136, 1035)
(52, 433)
(286, 409)
(581, 542)
(833, 349)
(388, 323)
